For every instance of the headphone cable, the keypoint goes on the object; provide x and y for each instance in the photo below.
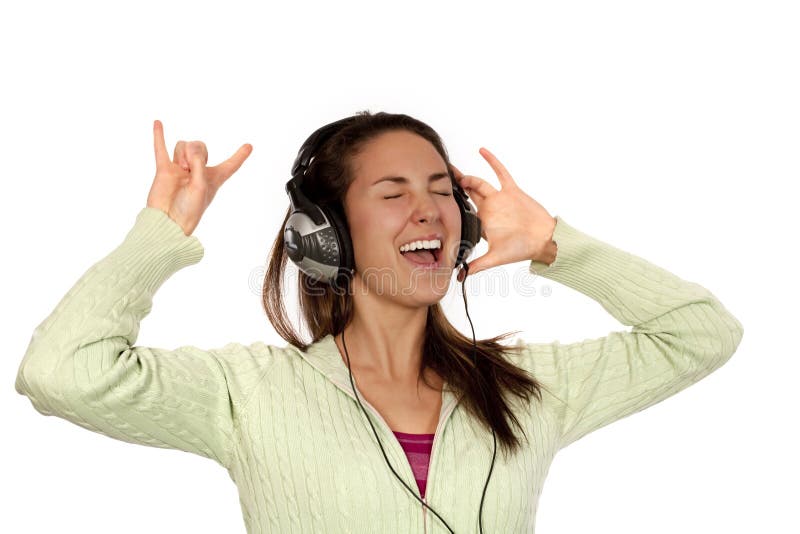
(474, 359)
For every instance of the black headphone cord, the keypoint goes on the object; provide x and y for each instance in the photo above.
(474, 359)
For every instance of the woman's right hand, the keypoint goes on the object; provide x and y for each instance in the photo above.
(184, 187)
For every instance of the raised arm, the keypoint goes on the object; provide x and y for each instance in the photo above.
(81, 364)
(680, 333)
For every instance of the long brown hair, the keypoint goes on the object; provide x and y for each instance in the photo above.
(327, 310)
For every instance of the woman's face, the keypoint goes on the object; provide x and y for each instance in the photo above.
(384, 215)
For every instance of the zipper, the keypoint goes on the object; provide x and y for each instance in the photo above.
(428, 485)
(386, 426)
(425, 511)
(442, 421)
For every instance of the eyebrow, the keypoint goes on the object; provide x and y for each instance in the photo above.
(403, 180)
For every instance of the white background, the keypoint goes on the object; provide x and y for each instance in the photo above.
(668, 129)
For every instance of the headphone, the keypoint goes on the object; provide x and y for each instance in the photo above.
(318, 242)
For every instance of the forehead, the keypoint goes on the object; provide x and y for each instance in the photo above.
(400, 153)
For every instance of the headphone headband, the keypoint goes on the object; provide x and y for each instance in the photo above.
(318, 241)
(312, 144)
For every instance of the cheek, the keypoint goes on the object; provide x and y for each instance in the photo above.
(374, 235)
(380, 225)
(452, 216)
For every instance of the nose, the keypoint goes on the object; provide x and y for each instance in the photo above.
(425, 209)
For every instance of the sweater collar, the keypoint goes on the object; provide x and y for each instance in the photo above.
(324, 356)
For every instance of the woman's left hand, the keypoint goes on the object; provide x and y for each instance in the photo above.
(515, 225)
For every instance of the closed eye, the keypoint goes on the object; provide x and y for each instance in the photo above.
(398, 196)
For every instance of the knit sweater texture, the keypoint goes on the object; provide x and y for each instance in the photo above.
(286, 425)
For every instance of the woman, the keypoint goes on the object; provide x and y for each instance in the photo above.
(287, 423)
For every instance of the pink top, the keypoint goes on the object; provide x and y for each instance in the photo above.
(418, 451)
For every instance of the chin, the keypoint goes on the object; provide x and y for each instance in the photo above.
(427, 287)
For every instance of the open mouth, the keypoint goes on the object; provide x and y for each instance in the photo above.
(424, 257)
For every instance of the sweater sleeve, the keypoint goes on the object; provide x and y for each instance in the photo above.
(680, 333)
(80, 364)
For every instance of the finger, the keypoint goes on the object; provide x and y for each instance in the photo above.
(197, 166)
(198, 145)
(502, 173)
(480, 264)
(472, 193)
(160, 147)
(475, 197)
(179, 156)
(457, 174)
(474, 184)
(225, 169)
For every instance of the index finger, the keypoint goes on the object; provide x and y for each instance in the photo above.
(499, 169)
(225, 169)
(473, 184)
(160, 147)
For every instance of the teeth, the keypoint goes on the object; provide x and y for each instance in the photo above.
(416, 245)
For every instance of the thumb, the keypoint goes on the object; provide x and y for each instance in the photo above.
(478, 265)
(475, 266)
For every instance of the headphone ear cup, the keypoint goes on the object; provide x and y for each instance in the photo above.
(346, 257)
(470, 225)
